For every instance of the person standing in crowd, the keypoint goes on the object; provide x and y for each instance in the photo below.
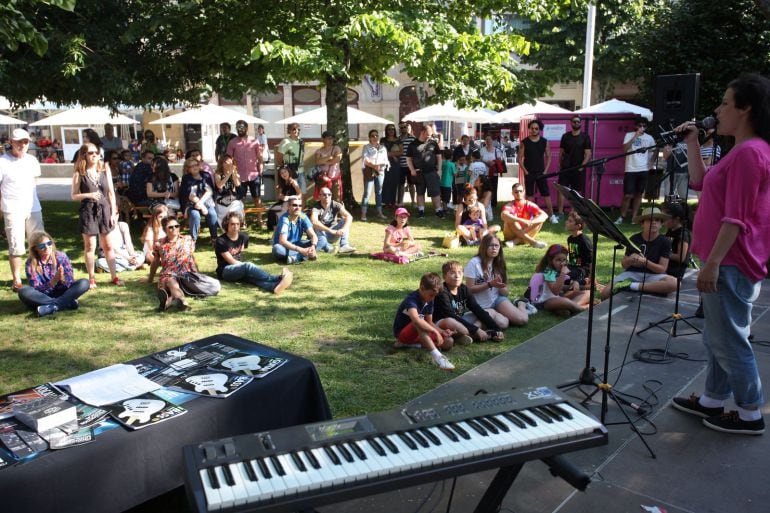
(574, 150)
(149, 143)
(327, 160)
(22, 213)
(92, 186)
(262, 140)
(49, 273)
(731, 239)
(229, 251)
(424, 161)
(406, 182)
(464, 149)
(247, 154)
(375, 164)
(291, 152)
(393, 173)
(534, 160)
(490, 156)
(638, 165)
(225, 136)
(110, 141)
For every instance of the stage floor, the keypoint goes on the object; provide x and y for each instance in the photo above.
(695, 469)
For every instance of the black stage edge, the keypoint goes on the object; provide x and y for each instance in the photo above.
(697, 469)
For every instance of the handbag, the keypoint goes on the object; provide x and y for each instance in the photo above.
(198, 285)
(370, 173)
(451, 241)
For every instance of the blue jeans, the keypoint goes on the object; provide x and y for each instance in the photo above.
(195, 221)
(377, 183)
(33, 298)
(326, 239)
(732, 366)
(250, 273)
(280, 252)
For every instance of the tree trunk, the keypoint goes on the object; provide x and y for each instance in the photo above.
(337, 124)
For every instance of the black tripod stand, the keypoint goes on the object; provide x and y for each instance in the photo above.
(600, 224)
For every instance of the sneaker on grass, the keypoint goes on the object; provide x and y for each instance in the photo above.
(554, 219)
(347, 248)
(538, 244)
(619, 220)
(621, 285)
(462, 340)
(730, 422)
(691, 405)
(443, 363)
(509, 244)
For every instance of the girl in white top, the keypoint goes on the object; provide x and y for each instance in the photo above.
(486, 278)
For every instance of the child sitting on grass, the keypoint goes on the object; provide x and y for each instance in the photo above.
(551, 287)
(457, 310)
(398, 236)
(414, 327)
(475, 225)
(580, 248)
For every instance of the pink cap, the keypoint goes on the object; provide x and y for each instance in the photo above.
(401, 211)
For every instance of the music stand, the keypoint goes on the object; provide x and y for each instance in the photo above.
(595, 218)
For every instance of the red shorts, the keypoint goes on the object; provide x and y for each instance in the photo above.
(410, 335)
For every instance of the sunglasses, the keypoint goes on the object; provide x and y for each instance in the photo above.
(295, 205)
(325, 194)
(172, 226)
(44, 245)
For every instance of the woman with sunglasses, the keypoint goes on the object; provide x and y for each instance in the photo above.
(49, 272)
(153, 232)
(92, 186)
(175, 255)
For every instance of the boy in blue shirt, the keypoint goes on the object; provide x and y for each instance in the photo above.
(413, 325)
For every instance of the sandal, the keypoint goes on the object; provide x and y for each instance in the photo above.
(495, 336)
(91, 283)
(118, 282)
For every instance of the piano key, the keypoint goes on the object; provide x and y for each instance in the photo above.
(409, 456)
(459, 430)
(263, 468)
(555, 415)
(540, 414)
(229, 481)
(266, 485)
(376, 446)
(526, 418)
(298, 463)
(379, 463)
(562, 411)
(332, 454)
(225, 492)
(251, 487)
(249, 470)
(341, 449)
(517, 428)
(312, 459)
(213, 479)
(408, 442)
(415, 434)
(448, 432)
(500, 425)
(211, 492)
(489, 426)
(476, 427)
(514, 419)
(388, 444)
(430, 436)
(356, 448)
(587, 423)
(334, 471)
(238, 487)
(290, 476)
(277, 466)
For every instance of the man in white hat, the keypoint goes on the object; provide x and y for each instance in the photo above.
(646, 271)
(18, 199)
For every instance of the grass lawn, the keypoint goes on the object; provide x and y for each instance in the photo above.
(338, 314)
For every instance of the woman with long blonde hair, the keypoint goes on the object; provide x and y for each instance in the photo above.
(49, 273)
(92, 186)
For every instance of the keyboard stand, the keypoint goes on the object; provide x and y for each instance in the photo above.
(498, 489)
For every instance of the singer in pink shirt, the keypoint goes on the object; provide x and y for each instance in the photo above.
(247, 155)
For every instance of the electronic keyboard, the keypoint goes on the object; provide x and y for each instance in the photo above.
(300, 467)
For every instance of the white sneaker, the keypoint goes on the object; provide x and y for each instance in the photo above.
(347, 248)
(619, 220)
(554, 219)
(538, 244)
(443, 363)
(509, 244)
(450, 206)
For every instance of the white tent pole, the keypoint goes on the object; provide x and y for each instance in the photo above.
(588, 64)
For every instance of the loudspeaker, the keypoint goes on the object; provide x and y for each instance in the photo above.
(676, 100)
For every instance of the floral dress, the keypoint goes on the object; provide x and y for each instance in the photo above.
(176, 257)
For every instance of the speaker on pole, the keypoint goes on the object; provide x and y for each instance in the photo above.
(676, 99)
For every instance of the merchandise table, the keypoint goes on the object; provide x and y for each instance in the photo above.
(121, 469)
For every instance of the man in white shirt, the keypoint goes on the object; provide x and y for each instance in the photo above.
(637, 167)
(109, 141)
(18, 199)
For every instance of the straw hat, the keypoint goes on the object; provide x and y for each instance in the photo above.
(650, 213)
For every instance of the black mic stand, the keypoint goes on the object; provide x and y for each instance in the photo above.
(599, 223)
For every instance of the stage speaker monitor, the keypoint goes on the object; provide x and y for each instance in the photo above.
(676, 99)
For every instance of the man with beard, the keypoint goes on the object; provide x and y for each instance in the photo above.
(247, 154)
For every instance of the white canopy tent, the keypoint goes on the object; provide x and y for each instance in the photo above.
(320, 117)
(514, 114)
(448, 112)
(615, 106)
(8, 120)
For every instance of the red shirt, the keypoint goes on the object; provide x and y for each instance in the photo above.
(524, 210)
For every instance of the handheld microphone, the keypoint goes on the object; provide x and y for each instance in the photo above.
(706, 123)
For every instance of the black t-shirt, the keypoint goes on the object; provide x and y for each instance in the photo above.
(574, 147)
(328, 216)
(455, 306)
(652, 250)
(424, 155)
(235, 247)
(677, 237)
(534, 155)
(581, 251)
